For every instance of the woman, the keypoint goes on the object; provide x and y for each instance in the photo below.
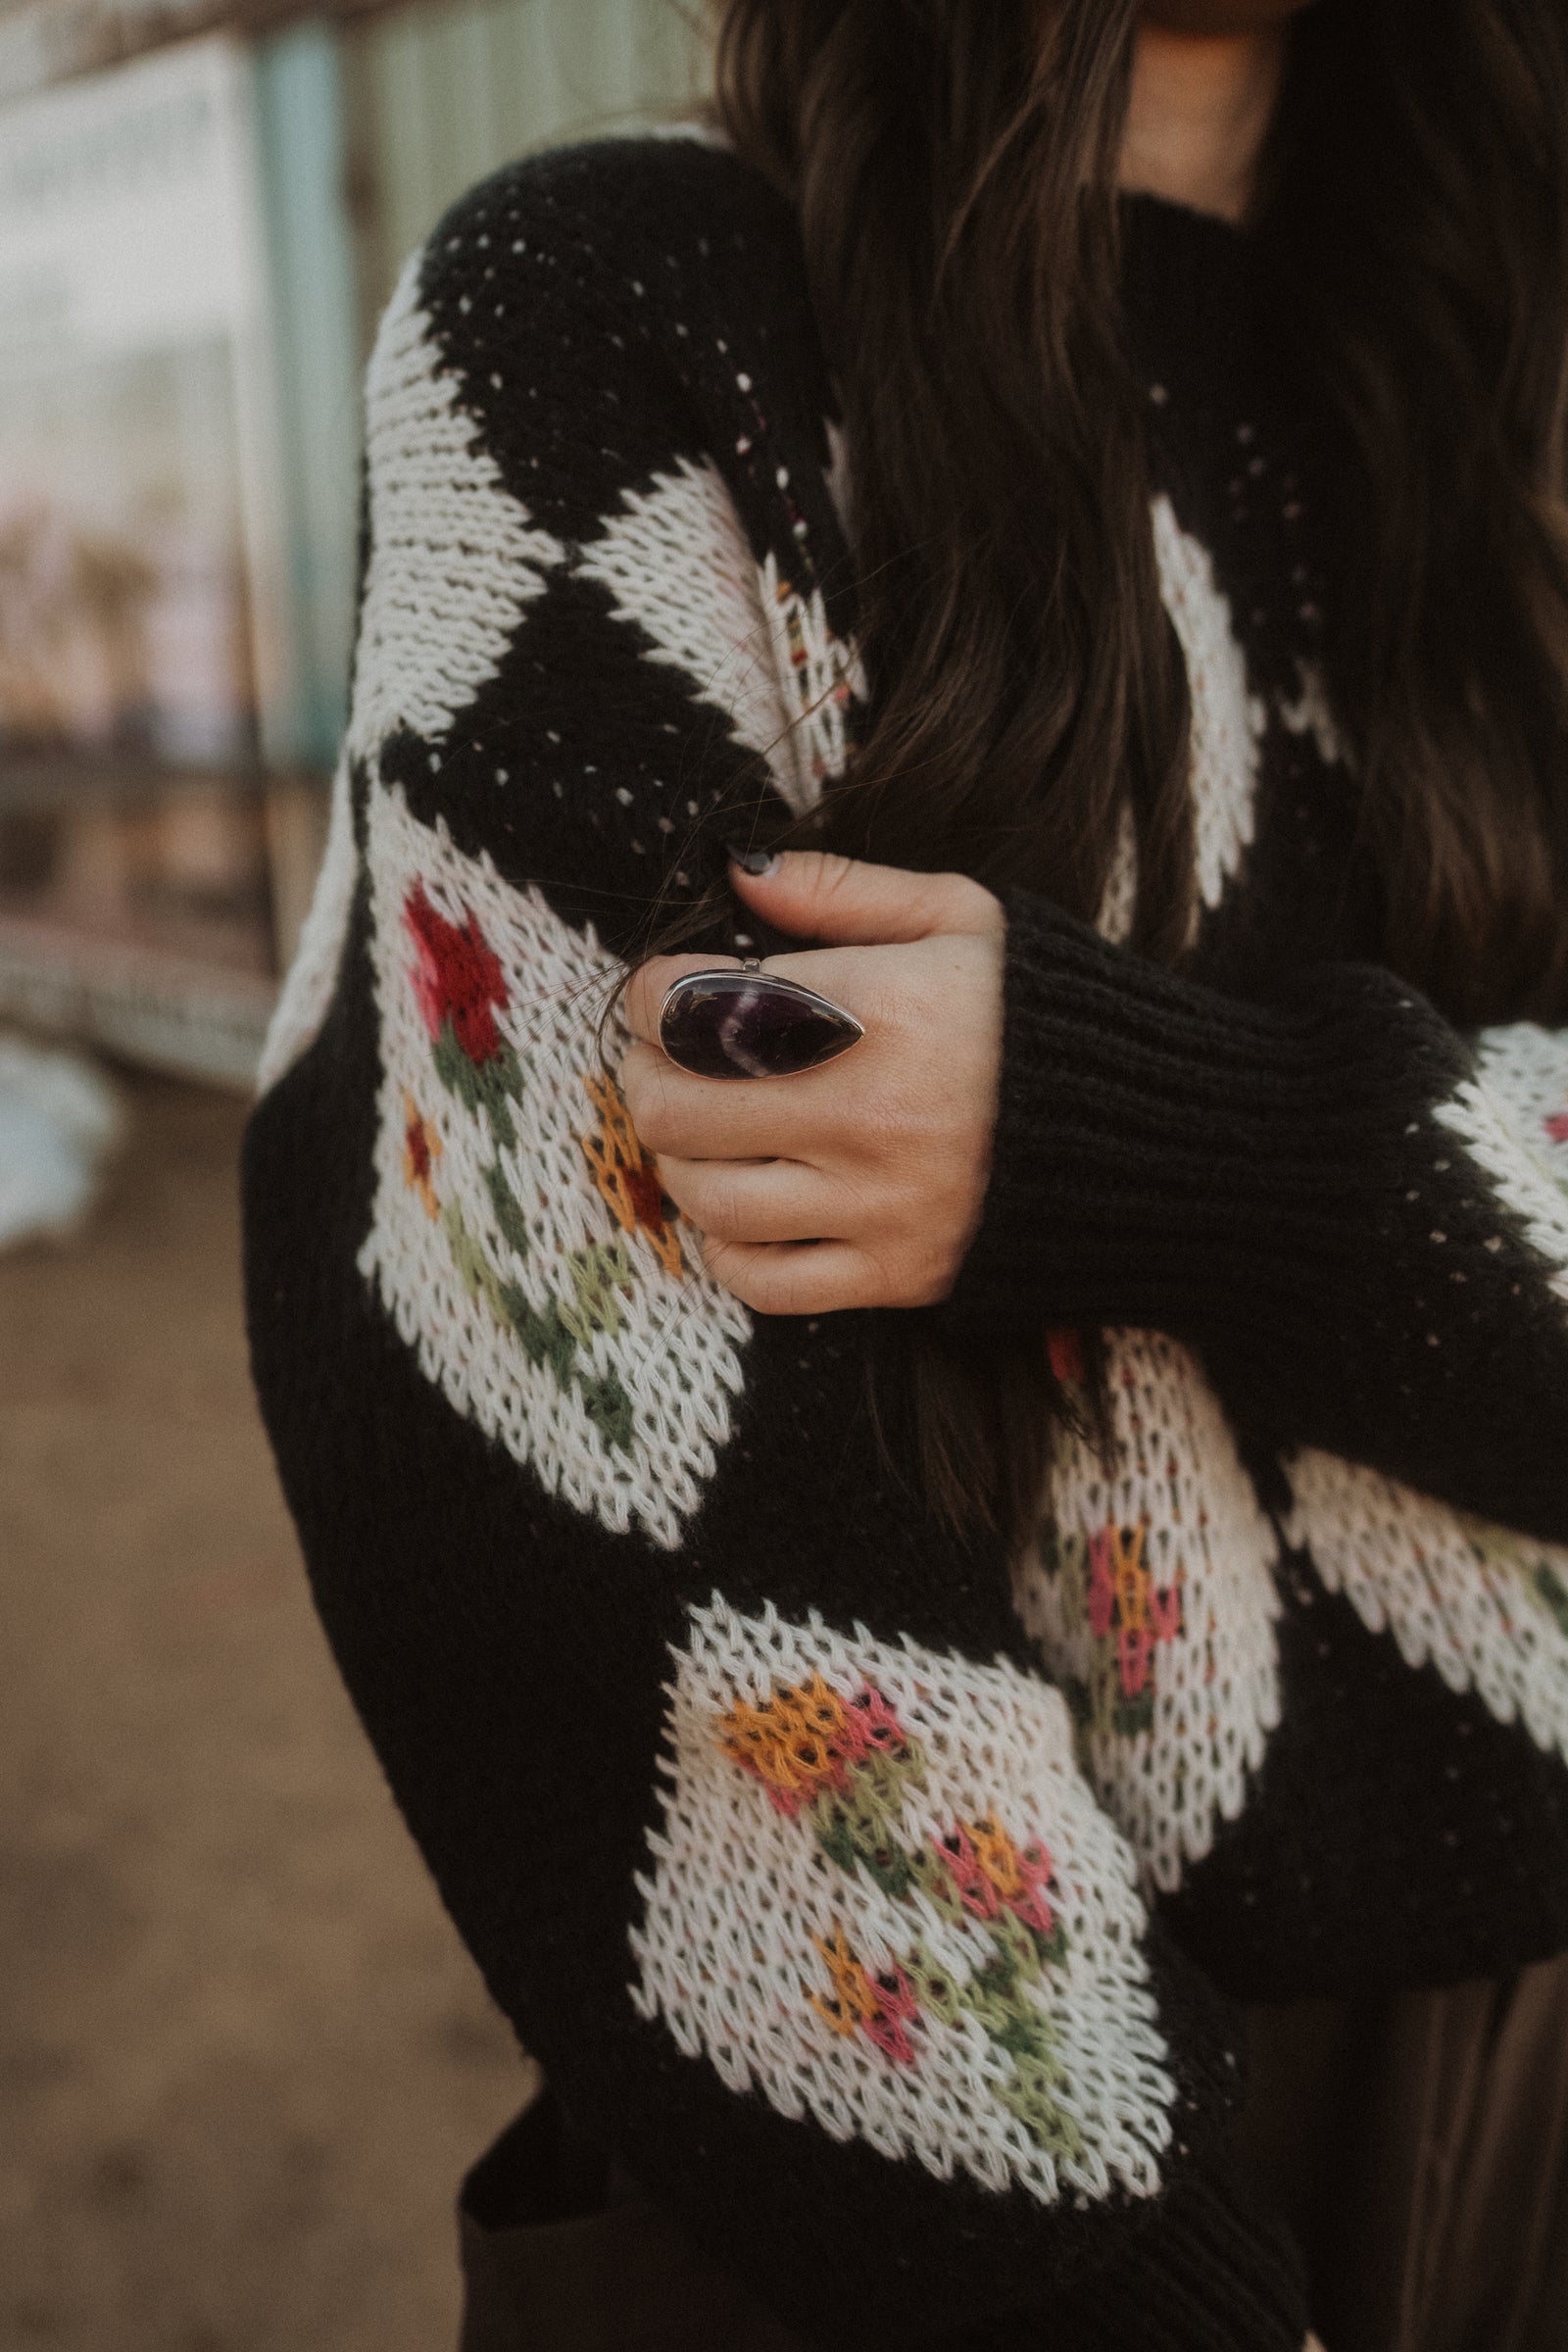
(890, 1594)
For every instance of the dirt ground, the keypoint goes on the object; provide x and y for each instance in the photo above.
(243, 2057)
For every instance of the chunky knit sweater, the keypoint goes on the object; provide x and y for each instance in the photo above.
(877, 1900)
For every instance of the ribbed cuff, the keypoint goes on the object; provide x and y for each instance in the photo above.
(1212, 2272)
(1217, 2273)
(1169, 1156)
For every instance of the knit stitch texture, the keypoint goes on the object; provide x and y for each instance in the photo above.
(870, 1896)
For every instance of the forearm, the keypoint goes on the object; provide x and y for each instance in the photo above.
(1323, 1196)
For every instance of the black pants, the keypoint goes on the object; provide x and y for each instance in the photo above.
(1417, 2143)
(559, 2255)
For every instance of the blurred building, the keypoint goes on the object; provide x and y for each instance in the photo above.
(202, 210)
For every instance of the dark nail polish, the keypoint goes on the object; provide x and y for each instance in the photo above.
(751, 1025)
(752, 861)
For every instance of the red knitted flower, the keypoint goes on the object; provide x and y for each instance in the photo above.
(456, 977)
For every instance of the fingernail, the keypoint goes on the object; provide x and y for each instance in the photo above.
(752, 861)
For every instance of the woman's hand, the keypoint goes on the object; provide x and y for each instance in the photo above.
(860, 1183)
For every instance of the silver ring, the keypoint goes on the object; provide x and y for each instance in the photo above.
(742, 1022)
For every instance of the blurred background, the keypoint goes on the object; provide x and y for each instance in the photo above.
(243, 2059)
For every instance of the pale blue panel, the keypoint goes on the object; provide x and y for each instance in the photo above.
(529, 73)
(300, 109)
(457, 90)
(406, 135)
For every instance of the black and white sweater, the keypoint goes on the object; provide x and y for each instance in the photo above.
(874, 1897)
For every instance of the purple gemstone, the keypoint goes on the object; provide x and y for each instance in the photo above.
(751, 1025)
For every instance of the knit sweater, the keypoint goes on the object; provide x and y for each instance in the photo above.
(878, 1898)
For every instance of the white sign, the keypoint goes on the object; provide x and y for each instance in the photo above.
(140, 561)
(128, 215)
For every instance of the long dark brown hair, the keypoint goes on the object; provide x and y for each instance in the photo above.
(954, 166)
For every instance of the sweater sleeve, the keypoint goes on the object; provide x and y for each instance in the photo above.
(726, 1758)
(1358, 1217)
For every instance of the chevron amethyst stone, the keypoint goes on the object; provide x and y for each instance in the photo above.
(741, 1024)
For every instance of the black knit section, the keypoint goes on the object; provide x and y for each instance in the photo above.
(1457, 1868)
(1248, 1156)
(1223, 2275)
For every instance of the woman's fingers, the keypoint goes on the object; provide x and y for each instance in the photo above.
(724, 1119)
(794, 1278)
(753, 1201)
(652, 982)
(815, 895)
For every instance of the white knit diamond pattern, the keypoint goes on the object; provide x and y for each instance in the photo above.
(1229, 723)
(455, 559)
(1312, 713)
(1501, 1117)
(670, 1340)
(677, 562)
(839, 477)
(738, 1892)
(1118, 904)
(1484, 1607)
(1228, 720)
(1176, 1476)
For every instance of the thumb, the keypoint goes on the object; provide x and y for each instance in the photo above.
(844, 901)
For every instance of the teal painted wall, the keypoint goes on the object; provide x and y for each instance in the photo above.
(302, 133)
(441, 95)
(366, 134)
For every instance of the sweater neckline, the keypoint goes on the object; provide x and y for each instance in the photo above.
(1192, 294)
